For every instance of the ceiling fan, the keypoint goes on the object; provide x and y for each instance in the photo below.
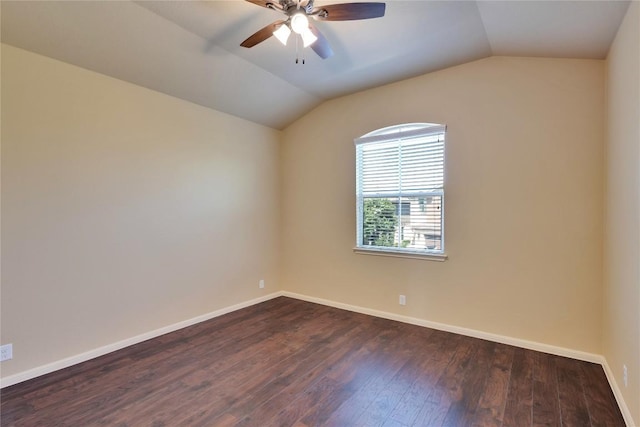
(297, 20)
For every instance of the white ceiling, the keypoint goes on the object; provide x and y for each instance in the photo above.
(191, 49)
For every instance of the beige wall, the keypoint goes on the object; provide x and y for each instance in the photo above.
(524, 183)
(622, 221)
(123, 210)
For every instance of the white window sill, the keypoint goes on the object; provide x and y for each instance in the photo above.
(401, 254)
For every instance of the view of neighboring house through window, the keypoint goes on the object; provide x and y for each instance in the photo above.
(400, 189)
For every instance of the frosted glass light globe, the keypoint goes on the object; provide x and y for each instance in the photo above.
(299, 23)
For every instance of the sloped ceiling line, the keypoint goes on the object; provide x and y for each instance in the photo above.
(190, 49)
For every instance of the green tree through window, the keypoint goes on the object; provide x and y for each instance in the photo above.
(380, 221)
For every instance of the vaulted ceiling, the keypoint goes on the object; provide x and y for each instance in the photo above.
(191, 49)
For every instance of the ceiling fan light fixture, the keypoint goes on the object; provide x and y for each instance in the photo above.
(299, 23)
(282, 34)
(297, 13)
(308, 38)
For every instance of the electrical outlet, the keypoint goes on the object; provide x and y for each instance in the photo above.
(261, 284)
(6, 352)
(403, 300)
(625, 375)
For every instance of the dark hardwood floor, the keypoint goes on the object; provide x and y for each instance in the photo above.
(291, 363)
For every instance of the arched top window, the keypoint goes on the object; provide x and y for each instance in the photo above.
(400, 190)
(399, 129)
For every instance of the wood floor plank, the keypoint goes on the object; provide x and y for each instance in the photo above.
(462, 411)
(448, 388)
(439, 350)
(354, 351)
(126, 372)
(573, 406)
(162, 381)
(192, 387)
(158, 347)
(519, 403)
(375, 370)
(260, 372)
(287, 362)
(546, 406)
(386, 395)
(491, 406)
(398, 356)
(600, 399)
(296, 410)
(226, 420)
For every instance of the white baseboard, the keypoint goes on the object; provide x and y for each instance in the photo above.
(626, 413)
(531, 345)
(517, 342)
(101, 351)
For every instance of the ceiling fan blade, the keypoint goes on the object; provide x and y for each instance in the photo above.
(261, 35)
(320, 46)
(263, 3)
(351, 11)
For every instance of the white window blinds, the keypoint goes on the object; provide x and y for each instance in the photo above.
(400, 188)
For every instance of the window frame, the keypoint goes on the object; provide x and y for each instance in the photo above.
(386, 135)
